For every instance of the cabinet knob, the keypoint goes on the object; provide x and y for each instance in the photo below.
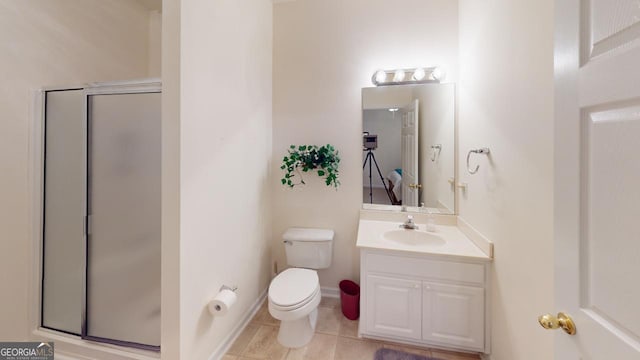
(416, 286)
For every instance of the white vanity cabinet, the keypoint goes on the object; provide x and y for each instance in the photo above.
(424, 299)
(392, 306)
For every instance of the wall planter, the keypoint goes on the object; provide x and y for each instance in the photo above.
(305, 158)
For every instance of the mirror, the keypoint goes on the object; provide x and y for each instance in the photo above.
(408, 141)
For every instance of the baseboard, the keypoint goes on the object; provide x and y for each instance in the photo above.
(62, 356)
(65, 356)
(375, 186)
(237, 330)
(330, 292)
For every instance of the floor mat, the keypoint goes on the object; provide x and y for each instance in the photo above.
(390, 354)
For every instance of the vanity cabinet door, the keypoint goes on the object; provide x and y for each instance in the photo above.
(393, 307)
(453, 315)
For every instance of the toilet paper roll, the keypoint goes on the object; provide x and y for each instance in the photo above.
(222, 302)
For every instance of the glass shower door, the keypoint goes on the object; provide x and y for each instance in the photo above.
(122, 299)
(63, 211)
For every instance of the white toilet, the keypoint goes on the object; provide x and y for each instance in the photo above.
(294, 294)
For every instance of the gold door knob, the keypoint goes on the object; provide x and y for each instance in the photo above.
(415, 186)
(563, 321)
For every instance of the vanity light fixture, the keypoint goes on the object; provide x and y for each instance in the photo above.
(433, 74)
(380, 76)
(438, 73)
(398, 76)
(418, 74)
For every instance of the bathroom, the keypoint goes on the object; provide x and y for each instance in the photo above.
(243, 80)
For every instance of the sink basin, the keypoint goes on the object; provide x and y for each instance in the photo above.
(413, 237)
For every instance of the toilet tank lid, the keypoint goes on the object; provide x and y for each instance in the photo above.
(307, 234)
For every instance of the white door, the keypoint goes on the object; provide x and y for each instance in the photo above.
(597, 178)
(410, 189)
(393, 307)
(453, 315)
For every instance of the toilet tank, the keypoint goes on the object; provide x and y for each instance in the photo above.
(308, 248)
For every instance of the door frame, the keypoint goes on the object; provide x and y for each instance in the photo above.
(66, 344)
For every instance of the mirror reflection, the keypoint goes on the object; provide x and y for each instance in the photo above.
(408, 143)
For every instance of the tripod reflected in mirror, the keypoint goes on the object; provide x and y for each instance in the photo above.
(369, 144)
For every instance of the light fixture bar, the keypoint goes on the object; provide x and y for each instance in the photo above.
(433, 74)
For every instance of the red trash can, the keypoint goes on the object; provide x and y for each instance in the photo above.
(350, 299)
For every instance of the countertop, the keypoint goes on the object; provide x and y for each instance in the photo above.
(457, 245)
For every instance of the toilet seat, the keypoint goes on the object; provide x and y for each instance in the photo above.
(293, 289)
(296, 306)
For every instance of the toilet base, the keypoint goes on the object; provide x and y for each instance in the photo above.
(298, 333)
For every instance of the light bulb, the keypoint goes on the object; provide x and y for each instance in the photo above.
(379, 77)
(438, 74)
(398, 76)
(418, 74)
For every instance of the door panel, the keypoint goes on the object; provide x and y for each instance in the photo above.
(453, 315)
(611, 24)
(393, 307)
(611, 204)
(123, 257)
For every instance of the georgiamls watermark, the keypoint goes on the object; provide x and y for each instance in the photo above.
(26, 351)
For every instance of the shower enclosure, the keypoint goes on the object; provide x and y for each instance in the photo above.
(101, 213)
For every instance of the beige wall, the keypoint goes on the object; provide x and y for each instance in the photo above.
(506, 104)
(155, 43)
(50, 43)
(324, 53)
(225, 160)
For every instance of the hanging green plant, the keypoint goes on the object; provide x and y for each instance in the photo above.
(324, 159)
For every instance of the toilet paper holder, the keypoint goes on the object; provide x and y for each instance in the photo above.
(225, 287)
(223, 301)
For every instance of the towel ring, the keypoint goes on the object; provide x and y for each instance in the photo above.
(476, 151)
(436, 151)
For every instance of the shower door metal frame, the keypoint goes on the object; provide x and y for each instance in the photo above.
(68, 343)
(41, 185)
(106, 88)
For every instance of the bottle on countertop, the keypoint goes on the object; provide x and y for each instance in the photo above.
(431, 221)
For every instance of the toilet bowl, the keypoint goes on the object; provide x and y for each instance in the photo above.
(294, 296)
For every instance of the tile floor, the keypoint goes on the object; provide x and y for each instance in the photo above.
(336, 338)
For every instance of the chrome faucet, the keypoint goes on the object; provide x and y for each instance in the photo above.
(409, 224)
